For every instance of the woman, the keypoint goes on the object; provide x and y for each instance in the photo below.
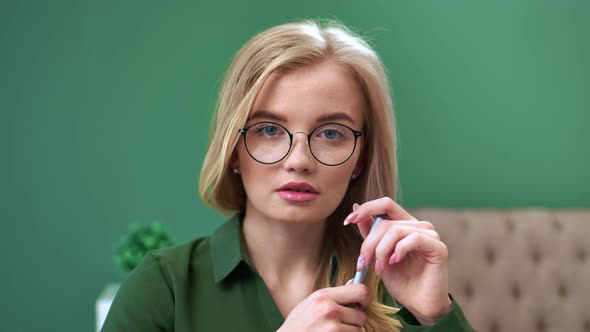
(303, 152)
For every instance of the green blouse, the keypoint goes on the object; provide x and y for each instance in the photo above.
(209, 285)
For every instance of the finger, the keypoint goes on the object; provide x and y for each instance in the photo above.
(411, 223)
(390, 240)
(389, 233)
(414, 223)
(384, 205)
(344, 295)
(432, 250)
(348, 328)
(351, 316)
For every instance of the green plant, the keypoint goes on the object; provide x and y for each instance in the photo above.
(138, 242)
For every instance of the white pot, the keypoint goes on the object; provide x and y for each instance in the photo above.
(103, 303)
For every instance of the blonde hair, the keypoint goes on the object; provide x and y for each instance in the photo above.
(290, 46)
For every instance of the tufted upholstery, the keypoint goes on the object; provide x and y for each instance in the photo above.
(520, 270)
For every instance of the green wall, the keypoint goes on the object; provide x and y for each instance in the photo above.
(105, 107)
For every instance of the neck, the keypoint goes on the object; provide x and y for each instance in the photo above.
(283, 252)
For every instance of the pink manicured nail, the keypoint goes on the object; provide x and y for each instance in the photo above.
(394, 258)
(378, 267)
(351, 217)
(360, 263)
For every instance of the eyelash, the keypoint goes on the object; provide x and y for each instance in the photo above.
(340, 133)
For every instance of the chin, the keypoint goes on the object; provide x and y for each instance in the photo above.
(291, 212)
(303, 214)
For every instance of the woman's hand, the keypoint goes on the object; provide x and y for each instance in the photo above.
(328, 309)
(409, 256)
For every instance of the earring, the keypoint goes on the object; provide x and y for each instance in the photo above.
(236, 171)
(353, 176)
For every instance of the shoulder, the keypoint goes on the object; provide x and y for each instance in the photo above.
(179, 259)
(147, 298)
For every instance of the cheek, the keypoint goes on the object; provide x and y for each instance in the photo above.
(340, 179)
(243, 157)
(250, 171)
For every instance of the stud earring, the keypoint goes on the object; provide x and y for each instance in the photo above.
(353, 176)
(236, 171)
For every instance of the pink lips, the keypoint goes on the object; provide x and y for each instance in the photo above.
(297, 192)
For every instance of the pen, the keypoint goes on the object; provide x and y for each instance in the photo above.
(360, 276)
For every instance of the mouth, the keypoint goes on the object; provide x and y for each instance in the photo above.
(297, 192)
(302, 187)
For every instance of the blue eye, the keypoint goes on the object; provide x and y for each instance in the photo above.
(267, 130)
(332, 134)
(270, 130)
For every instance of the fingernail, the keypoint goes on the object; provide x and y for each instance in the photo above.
(378, 267)
(360, 263)
(355, 206)
(351, 217)
(349, 281)
(393, 259)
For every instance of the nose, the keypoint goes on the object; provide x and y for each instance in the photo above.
(299, 158)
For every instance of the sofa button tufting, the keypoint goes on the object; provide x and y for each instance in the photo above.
(557, 225)
(581, 255)
(536, 256)
(516, 292)
(562, 291)
(464, 224)
(490, 257)
(510, 225)
(468, 291)
(494, 327)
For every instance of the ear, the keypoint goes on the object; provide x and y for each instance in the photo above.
(234, 162)
(359, 167)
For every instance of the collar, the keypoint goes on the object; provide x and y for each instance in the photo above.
(226, 248)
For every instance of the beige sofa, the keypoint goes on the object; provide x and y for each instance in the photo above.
(519, 270)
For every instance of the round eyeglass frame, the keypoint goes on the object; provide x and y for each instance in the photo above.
(356, 134)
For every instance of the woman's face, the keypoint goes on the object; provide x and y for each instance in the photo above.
(299, 188)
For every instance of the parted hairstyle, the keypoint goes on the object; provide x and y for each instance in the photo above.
(286, 47)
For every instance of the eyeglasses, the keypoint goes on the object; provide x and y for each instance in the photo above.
(331, 144)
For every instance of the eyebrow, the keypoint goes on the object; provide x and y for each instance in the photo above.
(274, 116)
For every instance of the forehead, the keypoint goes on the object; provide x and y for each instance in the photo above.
(311, 93)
